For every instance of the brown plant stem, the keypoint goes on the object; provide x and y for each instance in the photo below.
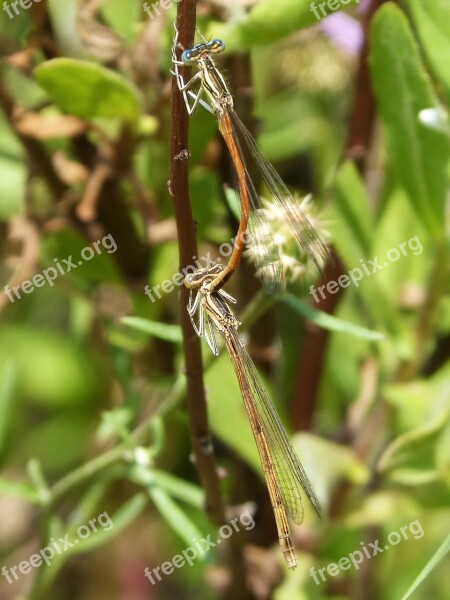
(179, 188)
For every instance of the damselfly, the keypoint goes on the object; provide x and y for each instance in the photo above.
(284, 473)
(209, 82)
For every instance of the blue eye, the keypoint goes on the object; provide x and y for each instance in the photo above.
(186, 57)
(217, 45)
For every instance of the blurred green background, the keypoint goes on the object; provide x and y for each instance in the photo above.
(352, 108)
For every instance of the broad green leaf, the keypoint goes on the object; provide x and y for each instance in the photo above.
(291, 123)
(314, 453)
(417, 402)
(439, 555)
(50, 369)
(90, 264)
(432, 22)
(88, 90)
(418, 154)
(163, 331)
(411, 458)
(330, 322)
(226, 410)
(270, 21)
(380, 507)
(123, 15)
(58, 440)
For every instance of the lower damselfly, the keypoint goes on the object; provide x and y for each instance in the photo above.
(285, 476)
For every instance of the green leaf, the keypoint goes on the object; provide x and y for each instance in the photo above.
(324, 474)
(115, 423)
(380, 507)
(354, 223)
(224, 400)
(416, 402)
(8, 379)
(20, 489)
(179, 488)
(330, 322)
(432, 22)
(411, 458)
(269, 21)
(123, 16)
(12, 186)
(88, 90)
(36, 475)
(439, 555)
(74, 374)
(175, 517)
(418, 154)
(163, 331)
(122, 518)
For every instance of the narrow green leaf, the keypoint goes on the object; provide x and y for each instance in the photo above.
(175, 517)
(439, 555)
(36, 475)
(330, 322)
(121, 519)
(353, 207)
(88, 90)
(163, 331)
(179, 488)
(115, 423)
(432, 22)
(418, 154)
(8, 378)
(20, 489)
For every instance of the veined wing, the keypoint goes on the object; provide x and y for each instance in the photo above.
(265, 252)
(304, 233)
(289, 471)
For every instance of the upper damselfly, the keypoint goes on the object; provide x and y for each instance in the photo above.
(209, 84)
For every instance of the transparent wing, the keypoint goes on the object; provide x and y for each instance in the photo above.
(289, 471)
(304, 233)
(264, 250)
(201, 322)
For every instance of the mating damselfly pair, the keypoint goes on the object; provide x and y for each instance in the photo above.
(209, 305)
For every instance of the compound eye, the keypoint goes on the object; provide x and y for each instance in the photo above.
(187, 57)
(216, 46)
(189, 281)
